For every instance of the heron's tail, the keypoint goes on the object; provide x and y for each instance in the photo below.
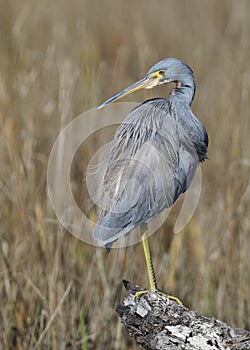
(105, 232)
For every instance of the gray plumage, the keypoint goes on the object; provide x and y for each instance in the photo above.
(153, 156)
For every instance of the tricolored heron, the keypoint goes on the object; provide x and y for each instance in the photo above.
(152, 158)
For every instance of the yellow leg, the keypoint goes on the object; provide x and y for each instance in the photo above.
(150, 268)
(147, 252)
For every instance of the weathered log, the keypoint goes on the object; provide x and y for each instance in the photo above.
(157, 322)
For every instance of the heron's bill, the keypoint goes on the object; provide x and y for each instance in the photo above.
(148, 82)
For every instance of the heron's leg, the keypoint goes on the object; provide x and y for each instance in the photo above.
(147, 252)
(150, 268)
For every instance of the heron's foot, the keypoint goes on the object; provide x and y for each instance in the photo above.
(140, 293)
(171, 297)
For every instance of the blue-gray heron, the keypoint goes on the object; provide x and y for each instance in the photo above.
(152, 158)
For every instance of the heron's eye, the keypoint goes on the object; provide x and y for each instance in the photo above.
(161, 72)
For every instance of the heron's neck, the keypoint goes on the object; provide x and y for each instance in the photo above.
(184, 91)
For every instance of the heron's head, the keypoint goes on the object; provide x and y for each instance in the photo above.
(163, 72)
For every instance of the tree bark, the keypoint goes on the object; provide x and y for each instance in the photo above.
(157, 322)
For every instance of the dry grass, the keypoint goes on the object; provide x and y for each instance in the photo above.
(58, 59)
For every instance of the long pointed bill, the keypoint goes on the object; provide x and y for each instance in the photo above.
(145, 83)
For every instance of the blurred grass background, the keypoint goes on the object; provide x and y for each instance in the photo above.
(57, 60)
